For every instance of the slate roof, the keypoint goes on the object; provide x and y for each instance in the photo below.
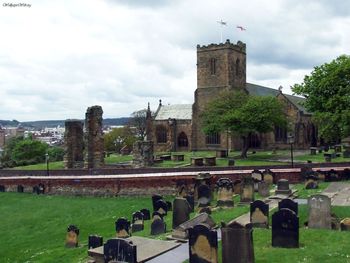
(258, 90)
(176, 111)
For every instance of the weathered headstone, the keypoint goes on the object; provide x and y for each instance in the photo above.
(247, 191)
(285, 229)
(95, 241)
(237, 186)
(20, 188)
(319, 212)
(331, 176)
(119, 250)
(259, 214)
(311, 181)
(2, 188)
(225, 192)
(203, 244)
(72, 236)
(161, 207)
(237, 243)
(201, 179)
(158, 225)
(146, 214)
(268, 176)
(257, 177)
(73, 144)
(182, 190)
(190, 200)
(137, 222)
(264, 189)
(345, 224)
(155, 198)
(122, 226)
(181, 211)
(289, 204)
(204, 195)
(283, 187)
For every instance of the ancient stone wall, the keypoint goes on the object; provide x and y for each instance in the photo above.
(94, 143)
(73, 144)
(142, 154)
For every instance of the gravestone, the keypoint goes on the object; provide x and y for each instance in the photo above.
(197, 161)
(259, 214)
(288, 203)
(95, 241)
(203, 244)
(205, 209)
(181, 213)
(119, 250)
(209, 161)
(313, 150)
(319, 212)
(137, 222)
(327, 157)
(231, 162)
(41, 189)
(146, 214)
(257, 177)
(237, 243)
(345, 224)
(190, 200)
(182, 190)
(122, 226)
(311, 182)
(225, 192)
(2, 188)
(268, 176)
(331, 176)
(72, 236)
(20, 188)
(221, 153)
(237, 186)
(155, 198)
(201, 179)
(247, 191)
(264, 189)
(125, 150)
(178, 157)
(285, 229)
(181, 230)
(283, 187)
(158, 225)
(204, 195)
(161, 207)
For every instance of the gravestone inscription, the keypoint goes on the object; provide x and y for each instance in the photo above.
(319, 212)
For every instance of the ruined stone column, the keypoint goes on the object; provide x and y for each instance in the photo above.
(142, 154)
(73, 144)
(94, 144)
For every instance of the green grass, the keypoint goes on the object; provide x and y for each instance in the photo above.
(319, 158)
(42, 166)
(305, 193)
(33, 227)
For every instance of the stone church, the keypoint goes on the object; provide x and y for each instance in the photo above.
(223, 67)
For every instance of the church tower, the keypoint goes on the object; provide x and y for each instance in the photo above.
(219, 67)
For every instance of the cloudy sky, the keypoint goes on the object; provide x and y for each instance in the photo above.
(59, 57)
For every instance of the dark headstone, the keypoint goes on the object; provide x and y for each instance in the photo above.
(181, 213)
(331, 176)
(311, 181)
(197, 161)
(146, 214)
(119, 250)
(237, 243)
(190, 200)
(283, 187)
(346, 174)
(205, 209)
(319, 212)
(285, 229)
(247, 190)
(20, 188)
(169, 205)
(137, 222)
(327, 157)
(313, 150)
(41, 189)
(155, 198)
(182, 190)
(72, 236)
(259, 214)
(288, 203)
(122, 226)
(231, 162)
(204, 195)
(158, 226)
(225, 192)
(201, 179)
(161, 206)
(263, 189)
(209, 161)
(203, 244)
(95, 241)
(2, 188)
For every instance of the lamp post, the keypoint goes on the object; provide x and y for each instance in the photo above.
(291, 142)
(47, 158)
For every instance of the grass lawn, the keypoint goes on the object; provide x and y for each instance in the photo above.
(305, 193)
(33, 228)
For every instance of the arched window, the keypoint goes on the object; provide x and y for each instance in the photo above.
(237, 67)
(161, 134)
(182, 140)
(213, 138)
(280, 134)
(212, 66)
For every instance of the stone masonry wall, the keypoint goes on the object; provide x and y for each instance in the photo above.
(73, 144)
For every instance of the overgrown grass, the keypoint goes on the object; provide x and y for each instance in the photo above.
(305, 193)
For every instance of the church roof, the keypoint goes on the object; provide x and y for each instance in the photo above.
(176, 111)
(258, 90)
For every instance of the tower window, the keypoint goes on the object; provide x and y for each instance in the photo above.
(212, 66)
(213, 138)
(182, 140)
(280, 134)
(161, 134)
(237, 67)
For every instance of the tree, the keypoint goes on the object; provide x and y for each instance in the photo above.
(243, 115)
(118, 137)
(327, 93)
(138, 123)
(29, 151)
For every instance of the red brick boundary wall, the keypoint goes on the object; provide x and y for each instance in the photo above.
(120, 182)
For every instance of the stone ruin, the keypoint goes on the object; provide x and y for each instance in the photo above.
(94, 143)
(73, 144)
(142, 154)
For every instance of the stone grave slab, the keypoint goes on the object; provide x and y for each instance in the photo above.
(158, 225)
(146, 214)
(283, 187)
(237, 243)
(259, 214)
(263, 189)
(122, 227)
(237, 186)
(268, 176)
(161, 207)
(247, 191)
(203, 244)
(72, 236)
(146, 249)
(224, 192)
(285, 229)
(319, 212)
(288, 203)
(137, 222)
(204, 195)
(156, 198)
(181, 213)
(95, 241)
